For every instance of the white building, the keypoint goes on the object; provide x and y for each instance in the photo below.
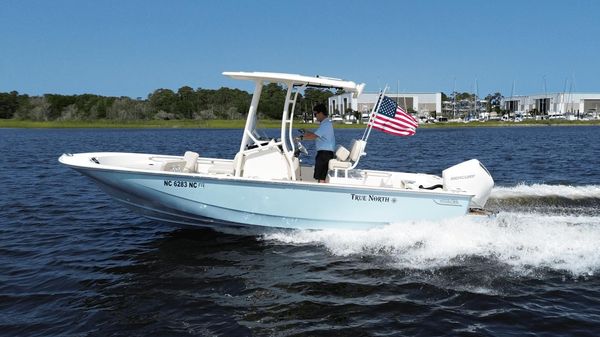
(421, 103)
(561, 104)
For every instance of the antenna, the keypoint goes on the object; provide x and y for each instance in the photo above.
(454, 100)
(475, 107)
(509, 105)
(398, 92)
(546, 100)
(571, 95)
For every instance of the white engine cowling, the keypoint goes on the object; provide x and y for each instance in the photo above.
(471, 177)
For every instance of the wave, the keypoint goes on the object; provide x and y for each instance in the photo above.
(543, 190)
(547, 198)
(525, 242)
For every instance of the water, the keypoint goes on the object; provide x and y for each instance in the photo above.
(74, 263)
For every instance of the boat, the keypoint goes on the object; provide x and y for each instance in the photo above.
(265, 184)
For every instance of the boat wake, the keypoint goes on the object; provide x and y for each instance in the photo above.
(542, 190)
(524, 241)
(547, 198)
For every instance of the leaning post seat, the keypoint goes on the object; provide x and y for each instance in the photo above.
(342, 153)
(344, 159)
(341, 159)
(188, 164)
(357, 150)
(191, 161)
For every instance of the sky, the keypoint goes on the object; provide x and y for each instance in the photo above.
(131, 48)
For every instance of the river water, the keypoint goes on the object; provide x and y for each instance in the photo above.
(75, 263)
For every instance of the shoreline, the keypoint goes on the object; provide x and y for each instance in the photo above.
(239, 124)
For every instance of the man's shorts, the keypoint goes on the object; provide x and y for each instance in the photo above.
(322, 164)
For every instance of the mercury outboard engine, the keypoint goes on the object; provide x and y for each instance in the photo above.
(471, 177)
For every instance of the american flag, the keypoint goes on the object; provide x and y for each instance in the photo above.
(391, 118)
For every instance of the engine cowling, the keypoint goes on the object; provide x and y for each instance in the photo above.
(470, 177)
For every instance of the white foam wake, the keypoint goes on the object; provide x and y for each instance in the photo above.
(542, 190)
(522, 241)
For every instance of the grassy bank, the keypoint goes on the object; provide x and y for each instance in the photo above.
(123, 124)
(207, 124)
(235, 124)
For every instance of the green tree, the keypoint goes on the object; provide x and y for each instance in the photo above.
(37, 108)
(91, 106)
(271, 100)
(186, 102)
(9, 103)
(125, 108)
(163, 100)
(58, 103)
(465, 96)
(162, 103)
(493, 101)
(314, 96)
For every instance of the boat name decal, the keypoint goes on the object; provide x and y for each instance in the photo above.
(371, 197)
(183, 184)
(447, 202)
(470, 176)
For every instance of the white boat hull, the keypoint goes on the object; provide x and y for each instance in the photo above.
(196, 199)
(265, 185)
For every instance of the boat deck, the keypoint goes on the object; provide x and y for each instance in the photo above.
(226, 168)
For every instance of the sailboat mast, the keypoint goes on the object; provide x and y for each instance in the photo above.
(510, 104)
(454, 100)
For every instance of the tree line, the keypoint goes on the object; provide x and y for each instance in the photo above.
(185, 103)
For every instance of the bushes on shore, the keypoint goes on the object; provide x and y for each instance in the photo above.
(162, 104)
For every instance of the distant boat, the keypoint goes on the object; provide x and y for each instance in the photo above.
(337, 119)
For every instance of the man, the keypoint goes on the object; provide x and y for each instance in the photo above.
(324, 141)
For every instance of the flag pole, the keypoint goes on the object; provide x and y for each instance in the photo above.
(375, 109)
(371, 115)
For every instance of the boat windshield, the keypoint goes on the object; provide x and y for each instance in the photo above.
(262, 132)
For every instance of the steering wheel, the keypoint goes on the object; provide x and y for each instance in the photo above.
(301, 148)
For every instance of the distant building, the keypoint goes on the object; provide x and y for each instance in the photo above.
(580, 105)
(423, 104)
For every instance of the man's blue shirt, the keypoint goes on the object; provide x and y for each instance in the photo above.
(325, 139)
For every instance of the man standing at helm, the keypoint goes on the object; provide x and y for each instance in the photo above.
(324, 141)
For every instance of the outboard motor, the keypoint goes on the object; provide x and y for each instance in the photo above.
(471, 177)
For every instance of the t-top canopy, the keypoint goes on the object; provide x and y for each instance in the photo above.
(296, 79)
